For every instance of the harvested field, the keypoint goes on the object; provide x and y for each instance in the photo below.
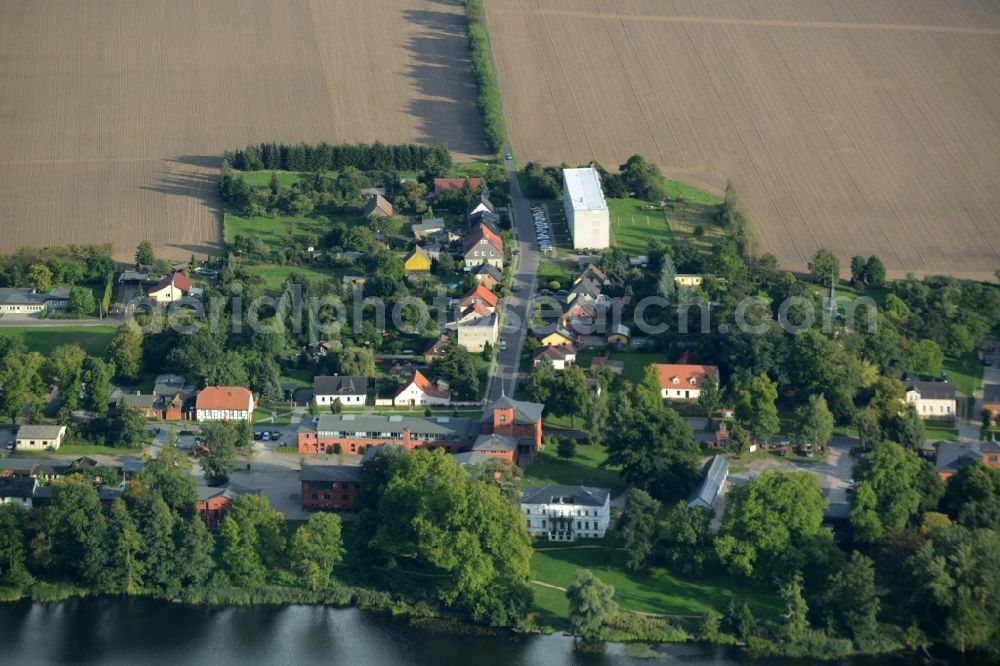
(114, 113)
(862, 126)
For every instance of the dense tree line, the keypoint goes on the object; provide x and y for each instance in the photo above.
(44, 268)
(487, 90)
(325, 157)
(152, 541)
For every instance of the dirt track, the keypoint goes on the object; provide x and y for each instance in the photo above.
(114, 112)
(866, 127)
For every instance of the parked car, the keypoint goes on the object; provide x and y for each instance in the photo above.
(508, 156)
(275, 434)
(266, 437)
(515, 288)
(9, 446)
(257, 436)
(503, 345)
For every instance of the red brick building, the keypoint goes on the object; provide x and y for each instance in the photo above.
(330, 486)
(214, 504)
(513, 429)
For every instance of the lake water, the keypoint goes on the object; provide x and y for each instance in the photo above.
(155, 633)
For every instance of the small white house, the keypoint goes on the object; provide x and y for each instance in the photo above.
(351, 391)
(39, 437)
(932, 400)
(566, 513)
(683, 381)
(419, 391)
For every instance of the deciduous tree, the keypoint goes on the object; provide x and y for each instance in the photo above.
(316, 547)
(591, 602)
(638, 529)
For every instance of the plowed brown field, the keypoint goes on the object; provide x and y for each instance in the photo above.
(113, 113)
(862, 126)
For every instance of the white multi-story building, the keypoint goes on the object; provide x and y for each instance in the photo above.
(566, 513)
(586, 209)
(932, 400)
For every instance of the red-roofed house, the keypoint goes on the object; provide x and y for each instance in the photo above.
(420, 391)
(224, 403)
(480, 295)
(170, 289)
(682, 381)
(442, 184)
(482, 246)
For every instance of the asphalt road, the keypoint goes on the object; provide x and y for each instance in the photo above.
(516, 309)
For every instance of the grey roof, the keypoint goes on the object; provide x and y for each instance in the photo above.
(168, 384)
(417, 425)
(372, 451)
(471, 458)
(480, 199)
(524, 412)
(556, 494)
(588, 287)
(108, 494)
(494, 442)
(333, 473)
(39, 431)
(133, 466)
(553, 328)
(21, 296)
(17, 486)
(713, 476)
(430, 225)
(953, 456)
(230, 491)
(340, 385)
(18, 464)
(139, 401)
(991, 393)
(490, 270)
(932, 390)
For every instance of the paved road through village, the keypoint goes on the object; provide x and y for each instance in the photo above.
(517, 307)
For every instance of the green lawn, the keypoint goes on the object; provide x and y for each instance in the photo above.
(965, 372)
(275, 276)
(940, 430)
(554, 269)
(675, 189)
(262, 416)
(303, 378)
(274, 231)
(468, 169)
(661, 592)
(632, 228)
(582, 469)
(43, 339)
(285, 178)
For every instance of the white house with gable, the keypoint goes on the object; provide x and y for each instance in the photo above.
(566, 513)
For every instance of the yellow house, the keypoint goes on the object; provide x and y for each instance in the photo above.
(556, 337)
(688, 280)
(417, 261)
